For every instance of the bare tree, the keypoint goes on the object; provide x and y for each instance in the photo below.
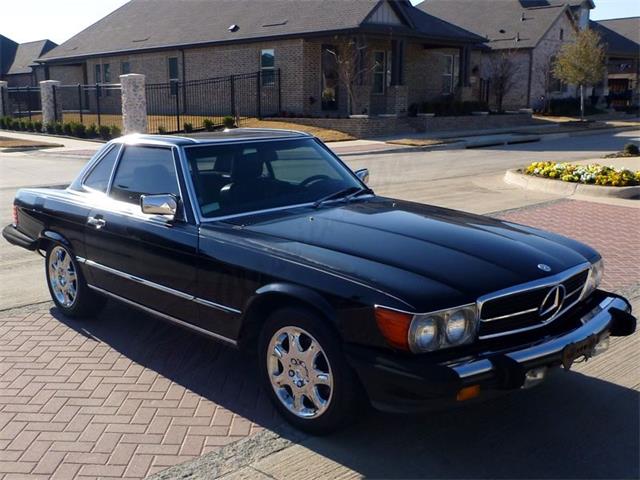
(545, 79)
(353, 64)
(502, 73)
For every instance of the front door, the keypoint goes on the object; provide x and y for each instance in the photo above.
(147, 259)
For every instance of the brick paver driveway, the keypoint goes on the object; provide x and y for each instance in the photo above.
(127, 395)
(119, 395)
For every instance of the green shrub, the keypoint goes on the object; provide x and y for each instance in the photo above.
(92, 130)
(228, 122)
(631, 149)
(208, 124)
(115, 131)
(50, 127)
(78, 130)
(15, 124)
(570, 107)
(67, 128)
(188, 127)
(162, 130)
(3, 122)
(59, 129)
(23, 125)
(105, 132)
(37, 126)
(29, 125)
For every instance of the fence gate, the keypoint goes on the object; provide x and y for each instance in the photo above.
(198, 104)
(24, 102)
(99, 104)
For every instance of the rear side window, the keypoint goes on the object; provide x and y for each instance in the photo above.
(144, 171)
(99, 177)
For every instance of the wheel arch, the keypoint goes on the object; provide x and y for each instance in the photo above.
(274, 296)
(47, 237)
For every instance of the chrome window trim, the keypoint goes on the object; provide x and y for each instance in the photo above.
(157, 286)
(535, 285)
(164, 316)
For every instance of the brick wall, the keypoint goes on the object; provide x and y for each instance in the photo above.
(423, 72)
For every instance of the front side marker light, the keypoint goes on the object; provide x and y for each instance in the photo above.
(467, 393)
(394, 326)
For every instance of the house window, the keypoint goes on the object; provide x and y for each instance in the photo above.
(173, 68)
(106, 72)
(450, 73)
(379, 72)
(268, 67)
(330, 78)
(125, 68)
(98, 74)
(562, 34)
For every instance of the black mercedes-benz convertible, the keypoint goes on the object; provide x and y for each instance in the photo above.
(266, 241)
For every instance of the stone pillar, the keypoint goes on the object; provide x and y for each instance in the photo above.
(134, 103)
(4, 106)
(397, 98)
(51, 103)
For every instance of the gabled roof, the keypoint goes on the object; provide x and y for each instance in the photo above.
(622, 35)
(26, 54)
(7, 51)
(156, 24)
(505, 24)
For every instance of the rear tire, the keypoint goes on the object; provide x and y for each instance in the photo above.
(67, 285)
(305, 373)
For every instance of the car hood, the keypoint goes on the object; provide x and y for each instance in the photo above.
(464, 255)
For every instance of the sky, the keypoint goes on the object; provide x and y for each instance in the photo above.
(58, 20)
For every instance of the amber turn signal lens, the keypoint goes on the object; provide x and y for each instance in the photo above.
(394, 326)
(467, 393)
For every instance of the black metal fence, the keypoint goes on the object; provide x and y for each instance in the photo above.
(202, 104)
(99, 104)
(24, 103)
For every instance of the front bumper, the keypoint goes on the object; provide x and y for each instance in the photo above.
(403, 383)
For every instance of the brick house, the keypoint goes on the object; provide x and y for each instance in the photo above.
(17, 65)
(411, 56)
(528, 32)
(622, 38)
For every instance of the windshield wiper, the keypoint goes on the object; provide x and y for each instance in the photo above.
(348, 193)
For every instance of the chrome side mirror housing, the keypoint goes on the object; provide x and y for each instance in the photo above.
(163, 204)
(363, 175)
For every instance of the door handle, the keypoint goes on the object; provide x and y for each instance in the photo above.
(96, 222)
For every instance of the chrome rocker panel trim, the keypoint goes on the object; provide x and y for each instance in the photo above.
(157, 286)
(164, 316)
(594, 323)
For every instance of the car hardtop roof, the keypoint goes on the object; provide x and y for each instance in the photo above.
(207, 138)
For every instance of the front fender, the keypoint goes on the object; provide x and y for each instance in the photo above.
(297, 292)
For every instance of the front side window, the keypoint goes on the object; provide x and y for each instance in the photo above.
(268, 67)
(98, 178)
(237, 178)
(330, 78)
(144, 171)
(125, 68)
(379, 72)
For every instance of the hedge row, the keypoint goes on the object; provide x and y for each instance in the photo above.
(72, 129)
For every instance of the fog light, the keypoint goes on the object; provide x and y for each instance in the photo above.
(468, 393)
(534, 377)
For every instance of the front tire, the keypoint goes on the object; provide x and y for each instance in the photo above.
(305, 373)
(67, 285)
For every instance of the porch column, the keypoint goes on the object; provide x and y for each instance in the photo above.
(51, 106)
(4, 107)
(134, 103)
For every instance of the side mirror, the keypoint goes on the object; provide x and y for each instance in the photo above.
(363, 175)
(163, 204)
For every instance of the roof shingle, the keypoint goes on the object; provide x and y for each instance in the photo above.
(26, 54)
(622, 35)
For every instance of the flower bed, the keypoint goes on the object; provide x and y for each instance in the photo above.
(589, 174)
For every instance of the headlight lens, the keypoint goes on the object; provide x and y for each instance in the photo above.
(443, 329)
(595, 277)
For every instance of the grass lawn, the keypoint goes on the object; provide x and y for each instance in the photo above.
(16, 143)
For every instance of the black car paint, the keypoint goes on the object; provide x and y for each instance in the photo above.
(342, 259)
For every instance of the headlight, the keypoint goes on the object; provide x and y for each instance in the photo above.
(428, 332)
(593, 280)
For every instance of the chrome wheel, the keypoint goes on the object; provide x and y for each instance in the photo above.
(63, 277)
(299, 372)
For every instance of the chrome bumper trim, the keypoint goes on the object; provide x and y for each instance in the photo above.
(593, 324)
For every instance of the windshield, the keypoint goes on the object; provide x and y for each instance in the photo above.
(244, 177)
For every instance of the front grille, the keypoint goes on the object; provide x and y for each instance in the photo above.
(518, 311)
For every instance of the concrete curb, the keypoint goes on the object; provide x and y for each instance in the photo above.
(558, 187)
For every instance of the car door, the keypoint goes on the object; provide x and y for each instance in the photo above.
(146, 259)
